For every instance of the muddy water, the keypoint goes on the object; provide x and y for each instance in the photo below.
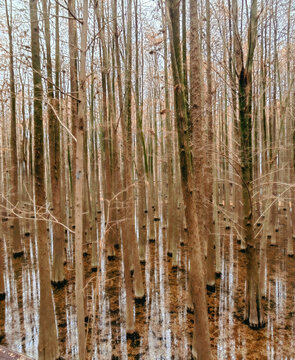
(163, 325)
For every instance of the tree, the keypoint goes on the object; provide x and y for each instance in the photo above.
(58, 276)
(17, 246)
(253, 306)
(47, 347)
(201, 348)
(79, 176)
(130, 244)
(73, 51)
(209, 157)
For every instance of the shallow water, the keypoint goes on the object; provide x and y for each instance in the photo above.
(163, 324)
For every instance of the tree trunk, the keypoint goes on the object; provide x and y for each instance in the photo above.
(47, 347)
(209, 161)
(202, 348)
(140, 150)
(58, 276)
(17, 246)
(127, 149)
(253, 307)
(79, 175)
(73, 51)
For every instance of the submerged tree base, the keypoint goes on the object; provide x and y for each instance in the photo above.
(59, 284)
(254, 326)
(190, 310)
(140, 300)
(218, 275)
(18, 254)
(132, 335)
(211, 288)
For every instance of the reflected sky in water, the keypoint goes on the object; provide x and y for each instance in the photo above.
(163, 323)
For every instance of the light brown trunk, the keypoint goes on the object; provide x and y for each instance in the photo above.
(47, 347)
(73, 51)
(209, 162)
(16, 237)
(201, 343)
(58, 276)
(127, 150)
(81, 124)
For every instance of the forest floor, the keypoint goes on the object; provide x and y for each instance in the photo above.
(163, 324)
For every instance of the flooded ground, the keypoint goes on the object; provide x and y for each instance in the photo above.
(163, 324)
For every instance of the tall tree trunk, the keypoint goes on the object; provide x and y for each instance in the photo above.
(120, 96)
(73, 51)
(127, 149)
(140, 150)
(58, 276)
(169, 147)
(202, 348)
(130, 323)
(17, 246)
(209, 160)
(253, 306)
(47, 347)
(94, 187)
(107, 113)
(79, 175)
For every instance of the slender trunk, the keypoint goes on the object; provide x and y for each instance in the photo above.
(47, 347)
(201, 348)
(17, 246)
(119, 199)
(80, 168)
(94, 187)
(237, 134)
(73, 52)
(127, 148)
(209, 158)
(253, 307)
(107, 110)
(58, 276)
(140, 149)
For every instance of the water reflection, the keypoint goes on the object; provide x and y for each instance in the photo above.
(163, 323)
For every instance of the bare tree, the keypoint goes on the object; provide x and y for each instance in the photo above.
(79, 177)
(17, 246)
(58, 276)
(201, 346)
(253, 306)
(47, 347)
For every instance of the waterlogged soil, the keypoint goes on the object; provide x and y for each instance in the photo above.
(164, 327)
